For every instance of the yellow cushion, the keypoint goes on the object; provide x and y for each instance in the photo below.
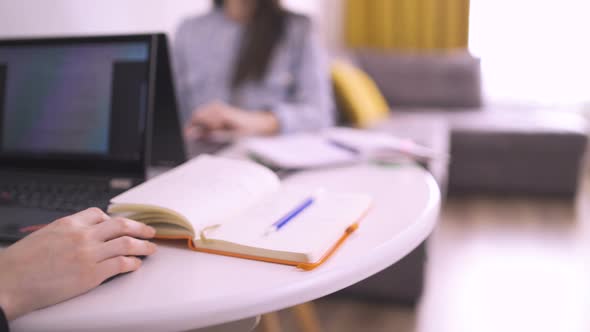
(358, 95)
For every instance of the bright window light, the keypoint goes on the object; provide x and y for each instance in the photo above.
(533, 51)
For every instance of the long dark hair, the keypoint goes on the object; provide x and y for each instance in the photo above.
(263, 32)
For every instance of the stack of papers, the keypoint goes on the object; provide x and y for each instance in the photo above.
(380, 146)
(299, 151)
(337, 146)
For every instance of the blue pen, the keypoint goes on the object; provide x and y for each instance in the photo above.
(290, 216)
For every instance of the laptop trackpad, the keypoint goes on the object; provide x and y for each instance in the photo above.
(16, 222)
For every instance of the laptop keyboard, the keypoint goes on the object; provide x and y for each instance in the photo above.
(69, 197)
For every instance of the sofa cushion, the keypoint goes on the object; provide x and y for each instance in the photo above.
(445, 80)
(513, 151)
(518, 151)
(357, 95)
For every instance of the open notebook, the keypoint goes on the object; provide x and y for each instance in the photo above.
(226, 206)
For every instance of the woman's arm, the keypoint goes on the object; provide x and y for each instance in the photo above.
(69, 257)
(310, 105)
(303, 104)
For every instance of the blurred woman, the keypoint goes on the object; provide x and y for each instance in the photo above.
(249, 67)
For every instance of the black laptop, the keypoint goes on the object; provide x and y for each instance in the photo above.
(79, 120)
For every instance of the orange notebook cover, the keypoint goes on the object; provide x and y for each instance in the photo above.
(225, 206)
(302, 265)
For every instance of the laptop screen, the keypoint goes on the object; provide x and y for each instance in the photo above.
(80, 100)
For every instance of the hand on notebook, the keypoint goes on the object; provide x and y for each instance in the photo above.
(218, 119)
(69, 257)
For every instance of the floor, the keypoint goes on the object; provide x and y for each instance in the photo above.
(496, 264)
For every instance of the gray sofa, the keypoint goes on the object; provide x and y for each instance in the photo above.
(437, 100)
(493, 148)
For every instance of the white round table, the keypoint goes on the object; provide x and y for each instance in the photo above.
(178, 289)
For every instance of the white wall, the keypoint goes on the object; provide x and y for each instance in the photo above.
(55, 17)
(68, 17)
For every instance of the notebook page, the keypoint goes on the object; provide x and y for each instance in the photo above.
(206, 189)
(310, 234)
